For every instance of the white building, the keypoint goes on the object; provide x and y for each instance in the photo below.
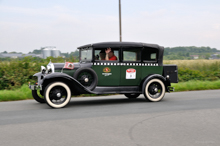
(51, 51)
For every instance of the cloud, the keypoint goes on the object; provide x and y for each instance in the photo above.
(56, 26)
(26, 29)
(51, 11)
(167, 28)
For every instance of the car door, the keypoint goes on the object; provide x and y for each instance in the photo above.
(108, 71)
(150, 59)
(131, 67)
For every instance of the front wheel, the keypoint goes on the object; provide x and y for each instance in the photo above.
(154, 90)
(57, 94)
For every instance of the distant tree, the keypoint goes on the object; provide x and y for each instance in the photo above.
(36, 51)
(13, 52)
(65, 54)
(207, 56)
(185, 52)
(75, 54)
(5, 52)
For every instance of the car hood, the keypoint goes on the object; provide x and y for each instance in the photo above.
(59, 66)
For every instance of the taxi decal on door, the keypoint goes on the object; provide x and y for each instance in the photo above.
(131, 73)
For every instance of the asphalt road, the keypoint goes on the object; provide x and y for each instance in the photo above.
(180, 119)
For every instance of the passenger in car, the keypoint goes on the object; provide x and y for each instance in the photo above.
(102, 55)
(110, 54)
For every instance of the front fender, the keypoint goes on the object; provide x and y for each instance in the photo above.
(39, 76)
(75, 86)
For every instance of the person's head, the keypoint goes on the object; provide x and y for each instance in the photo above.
(111, 53)
(102, 55)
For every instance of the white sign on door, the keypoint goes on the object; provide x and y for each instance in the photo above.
(130, 73)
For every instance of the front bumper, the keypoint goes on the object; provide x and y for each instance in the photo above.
(35, 87)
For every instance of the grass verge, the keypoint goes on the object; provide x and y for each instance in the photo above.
(25, 93)
(196, 85)
(17, 94)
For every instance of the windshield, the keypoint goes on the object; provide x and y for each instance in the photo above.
(86, 54)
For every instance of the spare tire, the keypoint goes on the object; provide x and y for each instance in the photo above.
(87, 77)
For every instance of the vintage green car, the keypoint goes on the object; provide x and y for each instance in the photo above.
(128, 68)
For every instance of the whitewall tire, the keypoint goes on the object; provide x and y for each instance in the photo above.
(154, 90)
(57, 94)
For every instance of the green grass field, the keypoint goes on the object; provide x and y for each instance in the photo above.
(196, 85)
(17, 94)
(24, 92)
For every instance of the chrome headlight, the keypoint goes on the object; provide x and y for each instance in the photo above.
(49, 69)
(43, 70)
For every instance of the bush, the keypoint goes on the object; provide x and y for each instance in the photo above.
(203, 70)
(15, 73)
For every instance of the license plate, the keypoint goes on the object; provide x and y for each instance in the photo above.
(35, 87)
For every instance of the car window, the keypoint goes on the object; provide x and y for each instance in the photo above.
(86, 54)
(153, 56)
(100, 54)
(150, 54)
(132, 54)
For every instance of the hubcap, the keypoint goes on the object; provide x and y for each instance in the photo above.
(86, 80)
(154, 90)
(58, 94)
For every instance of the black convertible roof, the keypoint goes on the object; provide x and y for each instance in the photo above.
(129, 45)
(121, 44)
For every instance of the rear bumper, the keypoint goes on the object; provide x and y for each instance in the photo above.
(170, 89)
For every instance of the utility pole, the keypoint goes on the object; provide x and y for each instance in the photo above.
(120, 35)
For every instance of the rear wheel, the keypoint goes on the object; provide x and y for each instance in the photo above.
(132, 95)
(57, 94)
(154, 90)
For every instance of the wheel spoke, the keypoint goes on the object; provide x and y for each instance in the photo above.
(54, 95)
(82, 76)
(155, 90)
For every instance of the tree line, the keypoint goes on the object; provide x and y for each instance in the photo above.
(174, 53)
(184, 53)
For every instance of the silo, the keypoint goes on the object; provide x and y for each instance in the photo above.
(55, 53)
(46, 53)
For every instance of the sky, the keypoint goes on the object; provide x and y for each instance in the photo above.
(27, 25)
